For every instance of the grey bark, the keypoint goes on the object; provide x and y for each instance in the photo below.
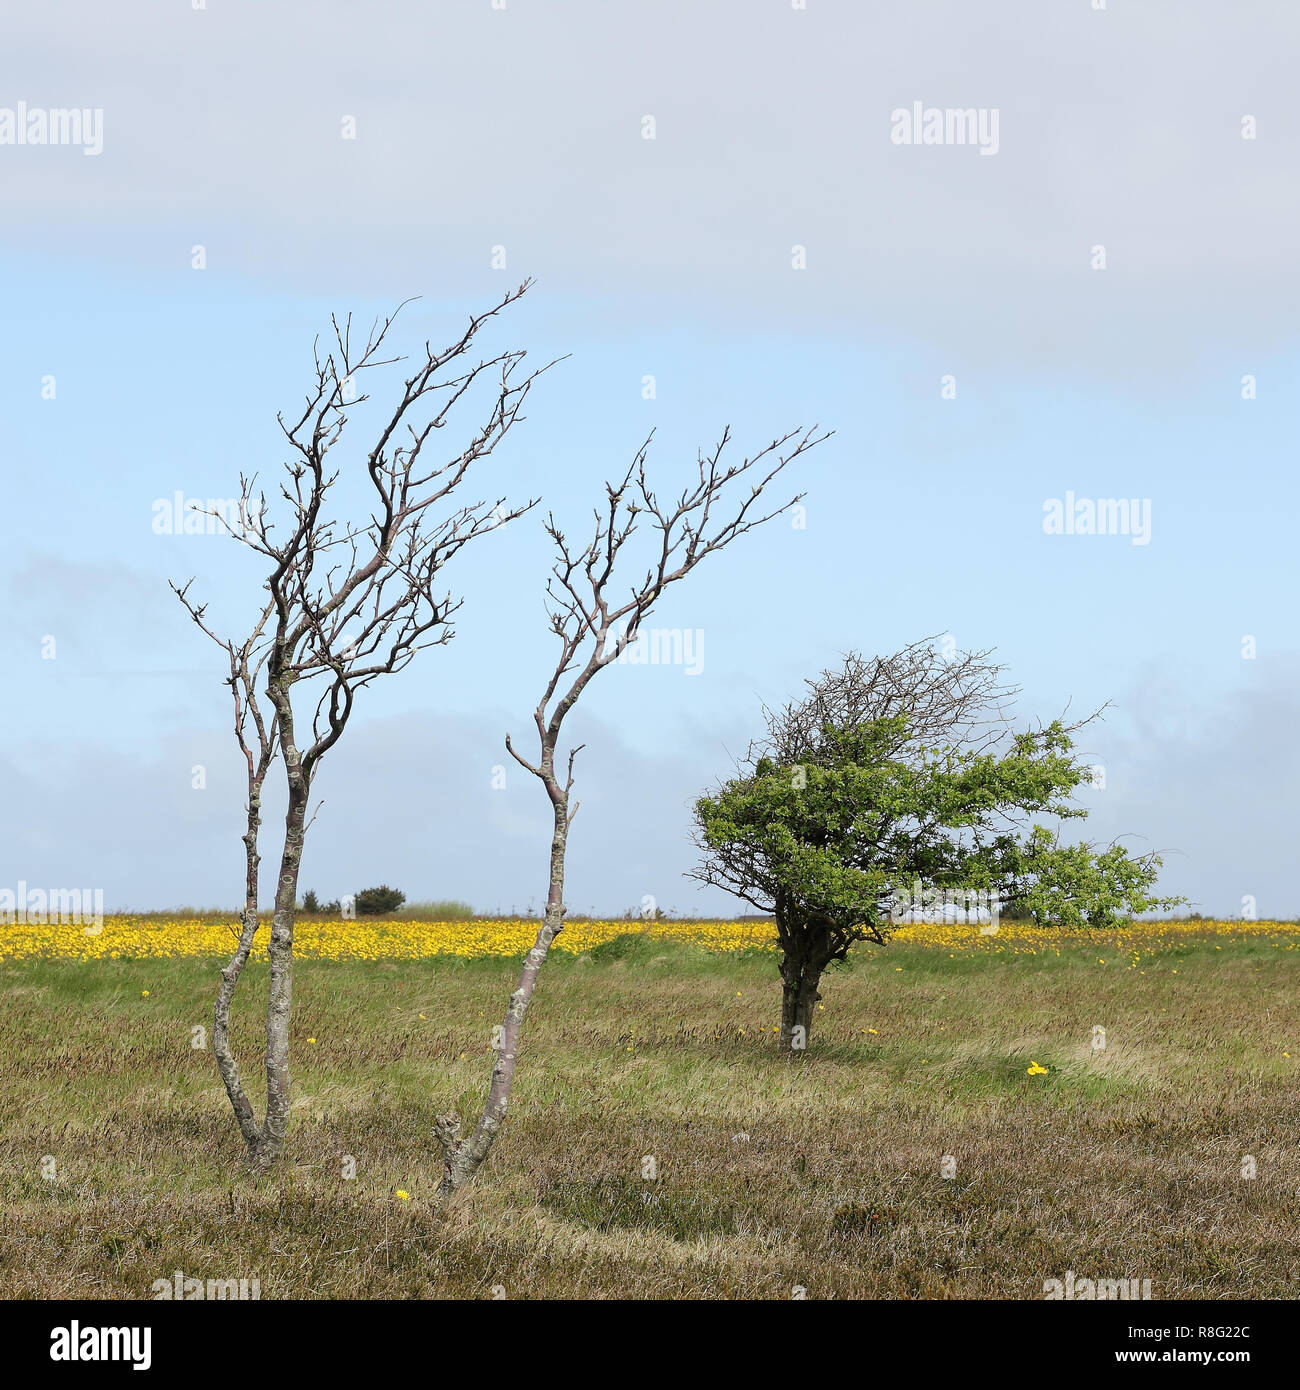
(227, 1065)
(258, 748)
(270, 1145)
(463, 1157)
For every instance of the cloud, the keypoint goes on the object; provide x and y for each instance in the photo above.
(1209, 783)
(523, 128)
(407, 800)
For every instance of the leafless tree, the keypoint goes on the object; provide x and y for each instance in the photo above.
(593, 626)
(349, 602)
(257, 739)
(956, 700)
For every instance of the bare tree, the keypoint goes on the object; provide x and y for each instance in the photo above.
(349, 602)
(593, 627)
(955, 700)
(258, 746)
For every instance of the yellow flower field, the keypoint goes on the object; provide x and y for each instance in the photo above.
(366, 939)
(151, 937)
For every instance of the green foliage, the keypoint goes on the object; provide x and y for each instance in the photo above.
(627, 946)
(835, 845)
(443, 910)
(310, 902)
(374, 902)
(1074, 885)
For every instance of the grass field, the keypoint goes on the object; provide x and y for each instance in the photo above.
(822, 1172)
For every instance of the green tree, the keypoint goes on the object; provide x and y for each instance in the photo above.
(374, 902)
(896, 790)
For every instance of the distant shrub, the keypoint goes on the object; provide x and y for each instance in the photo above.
(310, 902)
(374, 902)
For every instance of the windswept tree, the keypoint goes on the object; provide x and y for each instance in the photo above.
(350, 600)
(595, 613)
(897, 790)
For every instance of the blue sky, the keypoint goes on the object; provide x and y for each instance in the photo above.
(672, 257)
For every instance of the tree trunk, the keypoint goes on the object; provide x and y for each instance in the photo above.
(799, 996)
(463, 1157)
(226, 1063)
(805, 953)
(269, 1145)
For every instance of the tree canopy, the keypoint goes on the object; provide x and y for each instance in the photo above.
(897, 787)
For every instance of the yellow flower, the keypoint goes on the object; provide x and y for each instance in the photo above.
(1033, 1069)
(403, 1196)
(871, 1030)
(311, 1040)
(142, 938)
(144, 994)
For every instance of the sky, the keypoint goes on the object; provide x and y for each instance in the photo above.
(1095, 297)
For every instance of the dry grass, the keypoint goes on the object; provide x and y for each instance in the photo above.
(822, 1172)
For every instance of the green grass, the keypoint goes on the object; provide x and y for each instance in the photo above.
(442, 910)
(821, 1171)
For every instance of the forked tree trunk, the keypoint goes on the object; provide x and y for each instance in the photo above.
(266, 1141)
(463, 1156)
